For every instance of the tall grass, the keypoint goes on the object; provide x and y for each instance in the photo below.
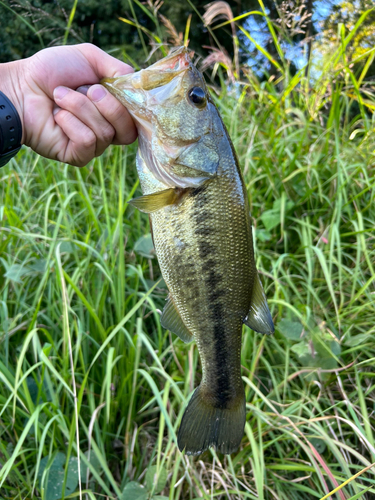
(93, 389)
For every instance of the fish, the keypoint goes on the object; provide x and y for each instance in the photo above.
(195, 195)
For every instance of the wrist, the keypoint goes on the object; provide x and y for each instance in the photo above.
(10, 86)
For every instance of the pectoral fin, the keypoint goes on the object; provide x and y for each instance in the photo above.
(156, 201)
(259, 317)
(171, 320)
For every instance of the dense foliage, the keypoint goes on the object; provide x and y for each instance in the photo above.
(26, 26)
(98, 22)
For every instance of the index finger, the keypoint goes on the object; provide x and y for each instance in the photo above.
(71, 66)
(102, 63)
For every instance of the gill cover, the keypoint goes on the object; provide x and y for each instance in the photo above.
(175, 119)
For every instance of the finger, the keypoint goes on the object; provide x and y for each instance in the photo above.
(81, 141)
(83, 89)
(102, 63)
(115, 113)
(72, 66)
(81, 107)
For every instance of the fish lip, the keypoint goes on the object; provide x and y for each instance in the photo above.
(110, 83)
(157, 75)
(179, 54)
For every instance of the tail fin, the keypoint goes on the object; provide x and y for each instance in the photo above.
(203, 426)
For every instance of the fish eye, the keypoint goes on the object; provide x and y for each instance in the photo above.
(197, 96)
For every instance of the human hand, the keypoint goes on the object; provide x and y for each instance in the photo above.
(58, 121)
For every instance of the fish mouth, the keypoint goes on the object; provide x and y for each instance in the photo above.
(150, 96)
(151, 86)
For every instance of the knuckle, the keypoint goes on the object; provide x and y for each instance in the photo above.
(108, 134)
(131, 135)
(81, 158)
(127, 136)
(99, 152)
(79, 103)
(88, 139)
(87, 48)
(86, 45)
(119, 113)
(62, 115)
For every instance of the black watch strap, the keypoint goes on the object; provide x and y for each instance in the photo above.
(10, 130)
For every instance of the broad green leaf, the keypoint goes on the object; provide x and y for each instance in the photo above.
(301, 349)
(335, 348)
(134, 491)
(34, 389)
(16, 272)
(39, 266)
(145, 247)
(270, 219)
(66, 247)
(290, 329)
(318, 444)
(58, 463)
(325, 363)
(95, 463)
(263, 235)
(53, 486)
(277, 205)
(156, 482)
(357, 339)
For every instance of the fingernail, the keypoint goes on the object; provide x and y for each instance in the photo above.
(55, 110)
(60, 92)
(83, 89)
(97, 92)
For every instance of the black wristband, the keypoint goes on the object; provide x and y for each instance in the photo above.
(10, 130)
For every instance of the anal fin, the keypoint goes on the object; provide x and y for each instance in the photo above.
(156, 201)
(259, 317)
(171, 320)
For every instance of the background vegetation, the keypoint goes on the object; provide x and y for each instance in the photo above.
(29, 25)
(92, 389)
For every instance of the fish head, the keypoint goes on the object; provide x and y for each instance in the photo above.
(175, 118)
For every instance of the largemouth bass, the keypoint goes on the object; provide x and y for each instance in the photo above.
(199, 213)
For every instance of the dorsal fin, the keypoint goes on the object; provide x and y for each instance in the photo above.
(171, 320)
(259, 317)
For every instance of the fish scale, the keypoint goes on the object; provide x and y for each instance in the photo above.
(199, 212)
(211, 296)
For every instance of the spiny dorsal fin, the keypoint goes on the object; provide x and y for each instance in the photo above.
(155, 201)
(259, 317)
(171, 320)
